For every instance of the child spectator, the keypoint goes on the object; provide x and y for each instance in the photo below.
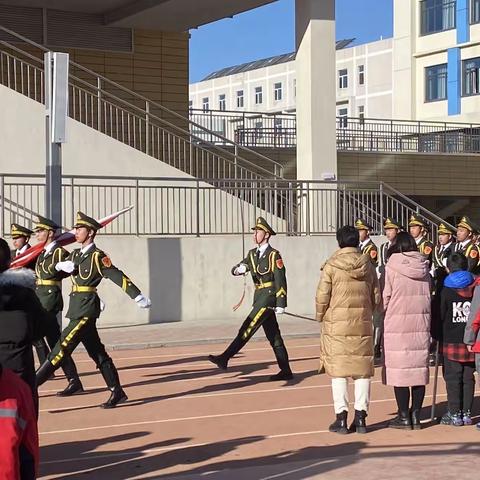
(459, 362)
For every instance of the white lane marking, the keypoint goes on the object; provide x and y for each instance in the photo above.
(205, 417)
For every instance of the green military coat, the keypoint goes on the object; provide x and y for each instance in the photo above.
(91, 267)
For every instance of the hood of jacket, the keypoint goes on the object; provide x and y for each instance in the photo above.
(410, 264)
(351, 261)
(20, 277)
(462, 281)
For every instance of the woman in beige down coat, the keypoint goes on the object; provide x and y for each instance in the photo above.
(347, 296)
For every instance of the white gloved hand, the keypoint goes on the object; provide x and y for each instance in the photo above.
(143, 301)
(102, 306)
(67, 266)
(279, 310)
(241, 269)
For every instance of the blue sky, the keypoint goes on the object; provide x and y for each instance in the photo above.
(270, 30)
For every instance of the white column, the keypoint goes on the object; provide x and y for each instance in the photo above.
(316, 89)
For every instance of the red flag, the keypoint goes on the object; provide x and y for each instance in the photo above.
(64, 239)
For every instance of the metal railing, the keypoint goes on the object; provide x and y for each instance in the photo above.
(183, 206)
(133, 119)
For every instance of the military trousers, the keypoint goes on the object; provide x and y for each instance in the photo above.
(265, 317)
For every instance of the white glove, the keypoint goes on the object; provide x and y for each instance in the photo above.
(143, 301)
(68, 266)
(279, 310)
(241, 269)
(102, 306)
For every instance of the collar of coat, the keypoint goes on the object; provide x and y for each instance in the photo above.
(20, 277)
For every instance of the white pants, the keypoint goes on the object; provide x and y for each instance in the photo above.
(340, 394)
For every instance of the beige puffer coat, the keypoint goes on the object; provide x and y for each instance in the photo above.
(347, 296)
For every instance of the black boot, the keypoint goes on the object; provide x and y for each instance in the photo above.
(401, 421)
(358, 425)
(416, 425)
(44, 372)
(340, 424)
(74, 386)
(219, 361)
(281, 355)
(282, 375)
(110, 375)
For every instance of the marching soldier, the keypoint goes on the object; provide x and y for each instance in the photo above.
(367, 247)
(49, 292)
(21, 243)
(268, 274)
(88, 265)
(418, 230)
(465, 244)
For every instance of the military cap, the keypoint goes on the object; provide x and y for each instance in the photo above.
(390, 223)
(444, 229)
(361, 224)
(465, 222)
(46, 224)
(262, 224)
(19, 231)
(417, 221)
(86, 221)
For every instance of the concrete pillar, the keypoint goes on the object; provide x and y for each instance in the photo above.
(316, 89)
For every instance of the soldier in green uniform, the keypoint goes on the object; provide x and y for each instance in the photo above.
(88, 266)
(367, 247)
(418, 230)
(465, 244)
(49, 292)
(21, 243)
(270, 299)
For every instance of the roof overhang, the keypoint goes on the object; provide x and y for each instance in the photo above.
(166, 15)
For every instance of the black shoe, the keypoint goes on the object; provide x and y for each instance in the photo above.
(117, 396)
(401, 421)
(359, 425)
(219, 361)
(340, 424)
(281, 375)
(44, 372)
(416, 425)
(74, 386)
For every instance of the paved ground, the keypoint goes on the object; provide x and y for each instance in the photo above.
(187, 420)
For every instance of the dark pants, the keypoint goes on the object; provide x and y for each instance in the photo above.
(42, 349)
(260, 317)
(402, 396)
(84, 330)
(460, 384)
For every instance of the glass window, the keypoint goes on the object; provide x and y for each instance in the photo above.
(470, 76)
(240, 99)
(474, 11)
(277, 90)
(190, 104)
(343, 78)
(343, 117)
(205, 105)
(258, 95)
(436, 83)
(259, 129)
(361, 74)
(361, 112)
(437, 15)
(222, 103)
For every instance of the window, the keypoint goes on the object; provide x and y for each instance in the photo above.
(258, 95)
(343, 117)
(474, 11)
(361, 112)
(470, 76)
(222, 104)
(259, 129)
(205, 105)
(436, 83)
(343, 78)
(437, 15)
(277, 90)
(190, 104)
(240, 99)
(361, 74)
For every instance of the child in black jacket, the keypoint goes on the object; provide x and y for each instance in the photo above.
(459, 363)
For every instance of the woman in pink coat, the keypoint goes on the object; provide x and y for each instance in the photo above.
(406, 298)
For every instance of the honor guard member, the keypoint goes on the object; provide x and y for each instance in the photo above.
(21, 243)
(270, 299)
(367, 247)
(49, 292)
(418, 230)
(465, 232)
(88, 265)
